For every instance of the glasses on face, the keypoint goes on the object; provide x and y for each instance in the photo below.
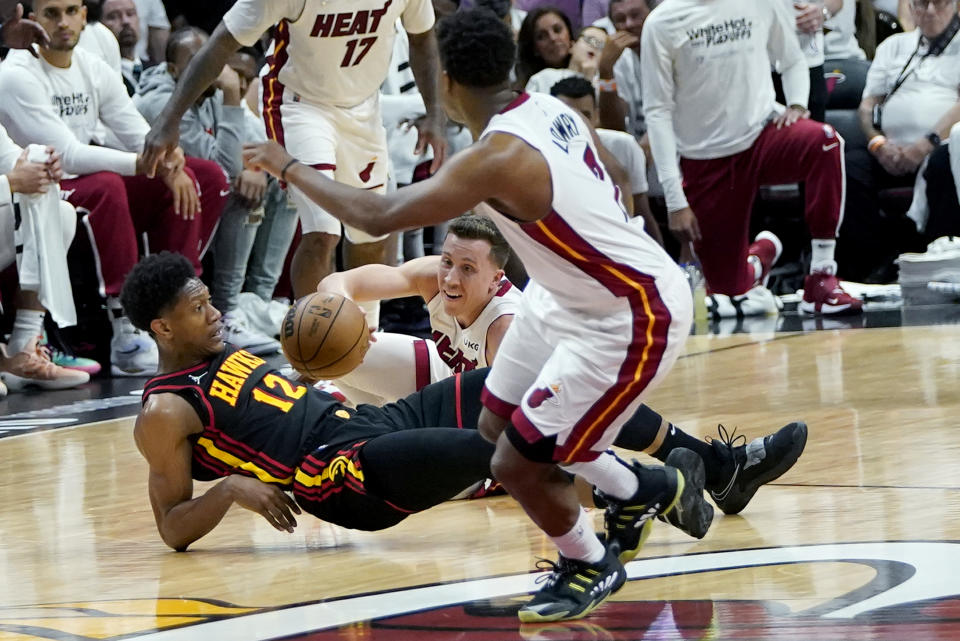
(593, 41)
(921, 5)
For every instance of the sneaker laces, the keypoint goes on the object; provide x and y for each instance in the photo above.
(557, 570)
(728, 441)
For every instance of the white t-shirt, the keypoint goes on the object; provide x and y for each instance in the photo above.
(97, 38)
(330, 52)
(930, 89)
(48, 105)
(151, 14)
(840, 42)
(626, 72)
(543, 80)
(707, 90)
(627, 150)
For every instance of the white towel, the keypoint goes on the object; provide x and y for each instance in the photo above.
(47, 226)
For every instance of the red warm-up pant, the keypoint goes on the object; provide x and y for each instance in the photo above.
(721, 192)
(117, 209)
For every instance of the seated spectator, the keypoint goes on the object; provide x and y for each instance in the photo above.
(840, 34)
(620, 98)
(176, 210)
(578, 93)
(810, 17)
(214, 129)
(97, 37)
(584, 56)
(154, 29)
(909, 105)
(731, 142)
(506, 11)
(23, 363)
(544, 40)
(120, 16)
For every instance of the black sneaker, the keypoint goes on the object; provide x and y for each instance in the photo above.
(747, 466)
(574, 588)
(691, 512)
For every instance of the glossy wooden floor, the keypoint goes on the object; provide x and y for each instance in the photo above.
(853, 543)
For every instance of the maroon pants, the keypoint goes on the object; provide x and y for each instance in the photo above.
(117, 209)
(721, 193)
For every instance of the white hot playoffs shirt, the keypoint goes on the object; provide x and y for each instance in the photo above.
(331, 52)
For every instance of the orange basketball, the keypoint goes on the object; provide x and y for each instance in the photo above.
(324, 335)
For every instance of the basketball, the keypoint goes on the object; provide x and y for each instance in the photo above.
(324, 335)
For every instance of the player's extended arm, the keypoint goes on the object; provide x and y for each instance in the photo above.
(417, 277)
(425, 65)
(500, 167)
(199, 74)
(161, 435)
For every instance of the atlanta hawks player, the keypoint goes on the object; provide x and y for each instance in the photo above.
(603, 318)
(321, 101)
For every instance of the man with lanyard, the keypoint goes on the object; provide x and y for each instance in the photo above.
(909, 104)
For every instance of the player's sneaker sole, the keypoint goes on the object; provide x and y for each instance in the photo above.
(690, 511)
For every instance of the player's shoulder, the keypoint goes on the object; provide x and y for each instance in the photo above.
(167, 411)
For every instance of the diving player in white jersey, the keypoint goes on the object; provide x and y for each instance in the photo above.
(320, 100)
(605, 315)
(470, 301)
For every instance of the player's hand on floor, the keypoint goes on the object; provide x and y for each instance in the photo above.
(267, 156)
(269, 501)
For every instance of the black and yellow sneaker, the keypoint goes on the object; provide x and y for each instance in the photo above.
(747, 466)
(628, 523)
(574, 588)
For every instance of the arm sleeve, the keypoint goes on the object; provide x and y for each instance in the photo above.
(156, 14)
(248, 19)
(9, 152)
(656, 68)
(224, 146)
(879, 78)
(26, 112)
(117, 110)
(418, 16)
(784, 51)
(636, 164)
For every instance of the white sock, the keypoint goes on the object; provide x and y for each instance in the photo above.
(372, 310)
(608, 474)
(27, 326)
(581, 541)
(822, 258)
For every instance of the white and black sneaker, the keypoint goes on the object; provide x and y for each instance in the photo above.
(132, 352)
(759, 301)
(236, 331)
(747, 466)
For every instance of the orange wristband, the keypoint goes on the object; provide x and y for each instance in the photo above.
(876, 142)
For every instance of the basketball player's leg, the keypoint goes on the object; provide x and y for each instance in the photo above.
(419, 468)
(395, 366)
(310, 137)
(362, 162)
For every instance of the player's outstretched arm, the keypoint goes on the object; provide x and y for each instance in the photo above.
(500, 168)
(205, 67)
(161, 434)
(417, 277)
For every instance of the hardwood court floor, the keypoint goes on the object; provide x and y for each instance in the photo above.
(861, 540)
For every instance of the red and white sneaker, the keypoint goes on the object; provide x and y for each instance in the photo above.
(822, 294)
(765, 249)
(33, 368)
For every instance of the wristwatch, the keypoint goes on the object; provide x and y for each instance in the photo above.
(826, 13)
(934, 139)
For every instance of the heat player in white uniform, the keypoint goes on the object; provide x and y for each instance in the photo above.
(320, 100)
(470, 303)
(603, 318)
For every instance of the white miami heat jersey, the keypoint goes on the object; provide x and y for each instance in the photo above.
(585, 253)
(330, 52)
(465, 348)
